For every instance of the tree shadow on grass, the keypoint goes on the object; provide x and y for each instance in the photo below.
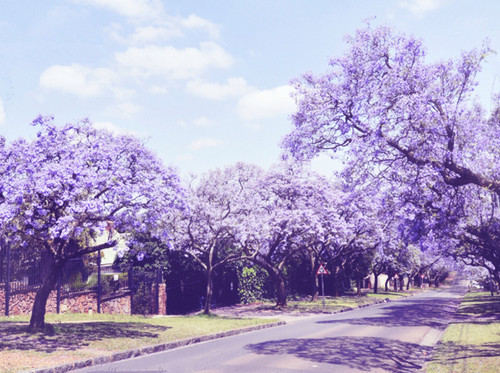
(435, 313)
(71, 336)
(363, 353)
(484, 308)
(452, 353)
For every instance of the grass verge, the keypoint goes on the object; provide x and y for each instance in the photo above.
(81, 336)
(471, 344)
(335, 304)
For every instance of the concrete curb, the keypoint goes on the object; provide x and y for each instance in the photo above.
(123, 355)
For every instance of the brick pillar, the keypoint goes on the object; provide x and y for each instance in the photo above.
(162, 299)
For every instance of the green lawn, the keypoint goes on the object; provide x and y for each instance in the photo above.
(471, 344)
(81, 336)
(334, 304)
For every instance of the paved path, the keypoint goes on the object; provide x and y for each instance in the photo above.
(395, 337)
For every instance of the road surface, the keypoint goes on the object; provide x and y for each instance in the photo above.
(395, 337)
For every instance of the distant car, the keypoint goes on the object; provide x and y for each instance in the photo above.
(475, 285)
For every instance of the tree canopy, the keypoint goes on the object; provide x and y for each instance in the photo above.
(412, 126)
(74, 184)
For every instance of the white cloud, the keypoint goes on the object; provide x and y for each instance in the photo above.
(134, 9)
(77, 79)
(203, 122)
(145, 35)
(113, 128)
(2, 112)
(266, 104)
(195, 22)
(419, 7)
(173, 63)
(215, 91)
(205, 142)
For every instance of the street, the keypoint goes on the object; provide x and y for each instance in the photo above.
(390, 337)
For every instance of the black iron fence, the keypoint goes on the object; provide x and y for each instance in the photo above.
(21, 274)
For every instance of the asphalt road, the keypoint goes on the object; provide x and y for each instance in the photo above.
(392, 337)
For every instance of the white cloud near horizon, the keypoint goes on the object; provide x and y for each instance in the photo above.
(111, 127)
(266, 103)
(214, 91)
(205, 142)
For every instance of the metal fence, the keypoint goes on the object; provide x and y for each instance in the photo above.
(21, 273)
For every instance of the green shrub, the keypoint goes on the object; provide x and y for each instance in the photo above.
(251, 286)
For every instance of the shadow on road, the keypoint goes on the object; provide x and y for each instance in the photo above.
(363, 353)
(71, 336)
(435, 313)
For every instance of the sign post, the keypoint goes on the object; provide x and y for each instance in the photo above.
(322, 271)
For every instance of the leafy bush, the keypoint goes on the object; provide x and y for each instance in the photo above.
(251, 287)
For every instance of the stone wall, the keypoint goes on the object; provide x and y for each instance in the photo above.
(21, 304)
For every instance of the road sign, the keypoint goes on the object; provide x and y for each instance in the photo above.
(322, 270)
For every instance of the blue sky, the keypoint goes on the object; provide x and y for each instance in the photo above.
(204, 83)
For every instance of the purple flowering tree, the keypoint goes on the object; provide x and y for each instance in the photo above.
(74, 186)
(346, 235)
(399, 120)
(284, 218)
(209, 230)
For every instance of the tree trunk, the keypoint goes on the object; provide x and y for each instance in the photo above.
(208, 297)
(387, 283)
(280, 290)
(358, 285)
(37, 321)
(314, 278)
(375, 283)
(315, 288)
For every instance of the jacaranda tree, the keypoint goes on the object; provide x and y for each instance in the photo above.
(398, 118)
(74, 186)
(209, 229)
(284, 218)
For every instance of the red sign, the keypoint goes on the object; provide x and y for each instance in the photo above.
(322, 270)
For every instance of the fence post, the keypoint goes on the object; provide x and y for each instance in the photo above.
(7, 280)
(58, 300)
(131, 288)
(157, 291)
(99, 281)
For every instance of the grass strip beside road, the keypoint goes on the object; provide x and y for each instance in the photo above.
(336, 304)
(77, 337)
(471, 343)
